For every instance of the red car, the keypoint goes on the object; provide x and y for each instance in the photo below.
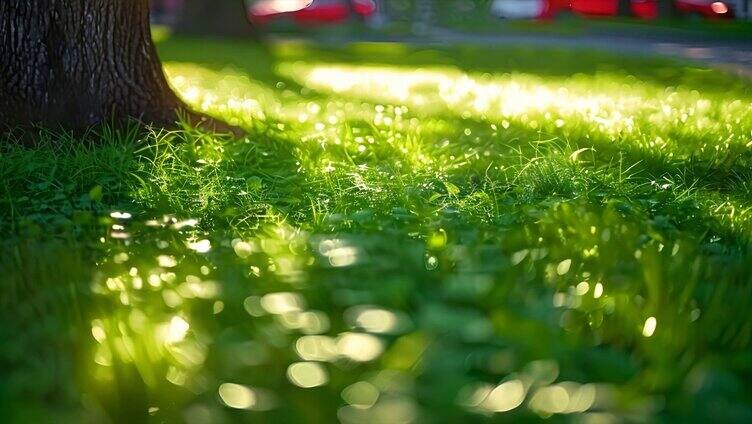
(708, 8)
(644, 9)
(309, 12)
(648, 9)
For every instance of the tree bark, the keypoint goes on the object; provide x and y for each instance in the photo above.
(666, 9)
(79, 63)
(624, 8)
(225, 18)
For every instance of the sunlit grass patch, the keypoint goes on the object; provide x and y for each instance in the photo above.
(363, 125)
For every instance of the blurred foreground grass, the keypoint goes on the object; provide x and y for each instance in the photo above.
(462, 234)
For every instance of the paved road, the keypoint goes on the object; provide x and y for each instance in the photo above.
(734, 56)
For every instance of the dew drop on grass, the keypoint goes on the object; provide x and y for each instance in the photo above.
(432, 262)
(598, 291)
(242, 249)
(120, 258)
(176, 330)
(361, 395)
(120, 215)
(649, 328)
(359, 347)
(563, 266)
(307, 374)
(519, 256)
(505, 397)
(694, 315)
(201, 246)
(237, 396)
(166, 261)
(438, 240)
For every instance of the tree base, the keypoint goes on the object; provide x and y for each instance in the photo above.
(207, 123)
(76, 64)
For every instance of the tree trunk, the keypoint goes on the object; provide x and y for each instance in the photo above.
(224, 18)
(666, 9)
(624, 8)
(78, 63)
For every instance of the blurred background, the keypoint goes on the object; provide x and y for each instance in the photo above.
(423, 17)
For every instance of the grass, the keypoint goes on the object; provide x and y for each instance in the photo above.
(455, 234)
(571, 25)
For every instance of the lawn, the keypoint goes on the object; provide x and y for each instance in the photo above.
(407, 234)
(569, 25)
